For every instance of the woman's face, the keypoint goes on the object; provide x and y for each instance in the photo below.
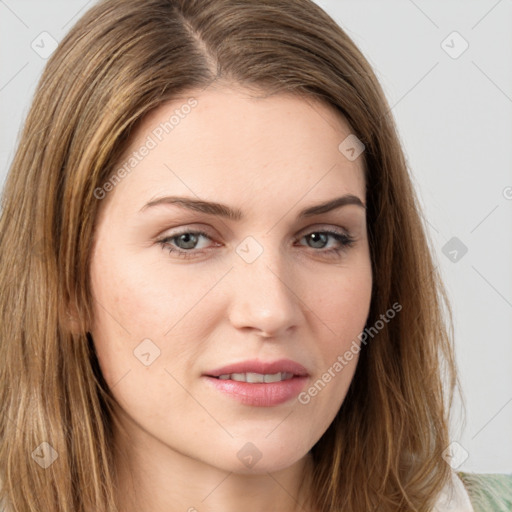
(267, 287)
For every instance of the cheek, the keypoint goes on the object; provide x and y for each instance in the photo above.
(139, 308)
(342, 303)
(146, 291)
(341, 309)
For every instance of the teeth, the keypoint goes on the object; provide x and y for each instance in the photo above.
(253, 378)
(276, 377)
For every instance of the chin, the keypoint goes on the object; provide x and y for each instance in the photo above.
(264, 456)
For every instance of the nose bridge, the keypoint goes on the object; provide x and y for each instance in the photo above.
(263, 296)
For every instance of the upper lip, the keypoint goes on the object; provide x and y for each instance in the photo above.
(263, 367)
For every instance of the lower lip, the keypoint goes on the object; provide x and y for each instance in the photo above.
(260, 394)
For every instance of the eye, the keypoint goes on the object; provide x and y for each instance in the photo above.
(185, 244)
(320, 239)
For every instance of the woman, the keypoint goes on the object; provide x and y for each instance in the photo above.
(229, 300)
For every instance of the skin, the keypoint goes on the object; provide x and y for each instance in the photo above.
(270, 157)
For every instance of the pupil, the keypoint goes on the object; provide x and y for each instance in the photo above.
(189, 240)
(320, 237)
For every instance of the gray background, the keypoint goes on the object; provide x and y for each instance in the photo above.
(454, 113)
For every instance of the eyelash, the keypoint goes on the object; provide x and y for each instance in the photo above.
(345, 240)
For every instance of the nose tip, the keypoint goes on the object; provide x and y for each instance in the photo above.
(262, 300)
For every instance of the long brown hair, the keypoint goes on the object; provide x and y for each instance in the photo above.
(122, 59)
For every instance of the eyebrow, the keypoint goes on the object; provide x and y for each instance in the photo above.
(212, 208)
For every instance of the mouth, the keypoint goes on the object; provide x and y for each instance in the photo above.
(253, 369)
(257, 383)
(256, 378)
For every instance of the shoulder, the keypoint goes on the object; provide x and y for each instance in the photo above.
(454, 497)
(488, 492)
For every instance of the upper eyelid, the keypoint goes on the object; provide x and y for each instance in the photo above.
(301, 232)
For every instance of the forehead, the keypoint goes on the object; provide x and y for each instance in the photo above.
(226, 143)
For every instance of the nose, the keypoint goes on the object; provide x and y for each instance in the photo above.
(262, 295)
